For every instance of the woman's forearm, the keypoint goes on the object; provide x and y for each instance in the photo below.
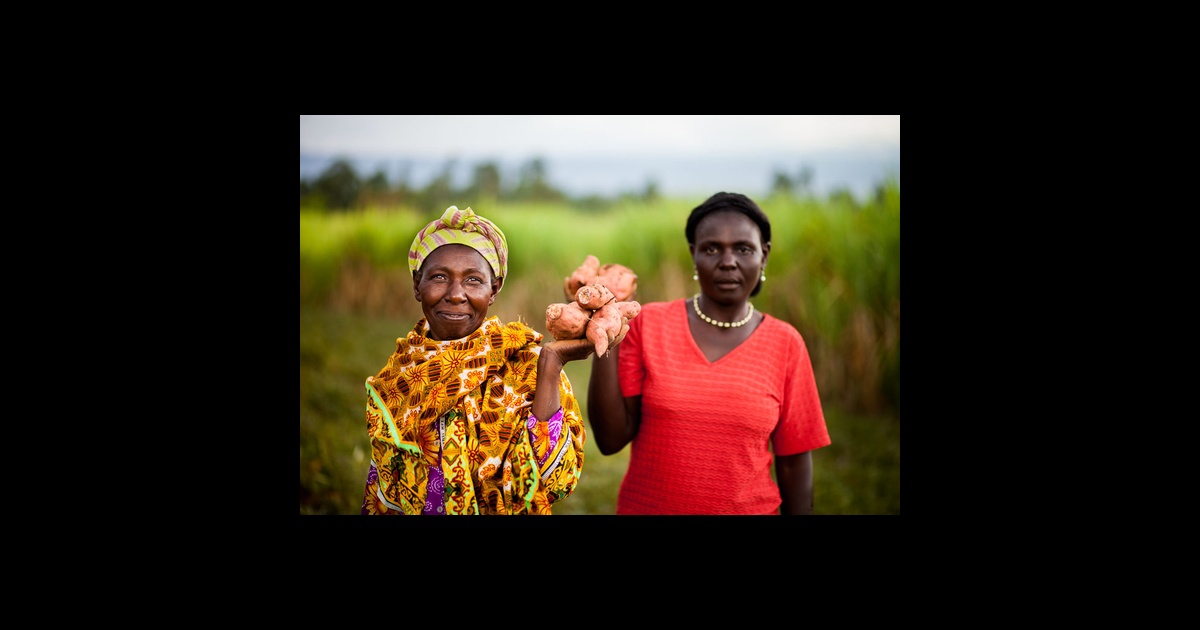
(612, 424)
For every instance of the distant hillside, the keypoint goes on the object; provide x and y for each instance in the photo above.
(692, 176)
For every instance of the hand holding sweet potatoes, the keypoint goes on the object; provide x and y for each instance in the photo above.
(594, 313)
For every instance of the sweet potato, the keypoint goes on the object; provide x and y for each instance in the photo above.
(583, 275)
(567, 321)
(599, 300)
(619, 279)
(572, 321)
(629, 308)
(593, 296)
(607, 322)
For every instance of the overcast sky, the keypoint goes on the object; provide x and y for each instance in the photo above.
(607, 154)
(519, 137)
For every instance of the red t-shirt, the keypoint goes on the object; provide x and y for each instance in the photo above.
(708, 430)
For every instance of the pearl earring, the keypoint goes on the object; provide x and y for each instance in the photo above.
(764, 274)
(695, 274)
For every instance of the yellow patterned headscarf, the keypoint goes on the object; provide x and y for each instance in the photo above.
(465, 228)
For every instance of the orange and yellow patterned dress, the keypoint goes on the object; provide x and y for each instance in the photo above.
(462, 408)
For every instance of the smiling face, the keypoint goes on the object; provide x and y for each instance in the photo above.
(729, 256)
(455, 288)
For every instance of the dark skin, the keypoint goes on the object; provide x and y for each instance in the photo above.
(455, 286)
(729, 256)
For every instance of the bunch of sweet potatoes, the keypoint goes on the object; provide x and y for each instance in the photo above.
(618, 278)
(598, 301)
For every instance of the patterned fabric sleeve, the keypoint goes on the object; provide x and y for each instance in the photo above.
(369, 504)
(558, 446)
(551, 430)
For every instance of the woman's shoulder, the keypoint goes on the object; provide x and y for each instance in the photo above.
(661, 306)
(514, 333)
(781, 329)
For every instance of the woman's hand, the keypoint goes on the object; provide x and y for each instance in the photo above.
(578, 349)
(569, 349)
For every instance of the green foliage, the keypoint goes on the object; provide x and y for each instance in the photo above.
(338, 185)
(339, 188)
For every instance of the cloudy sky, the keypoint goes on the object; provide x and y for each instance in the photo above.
(603, 153)
(520, 136)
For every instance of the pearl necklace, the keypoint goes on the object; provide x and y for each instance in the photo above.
(749, 314)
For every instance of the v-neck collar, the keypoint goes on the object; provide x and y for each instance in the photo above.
(687, 327)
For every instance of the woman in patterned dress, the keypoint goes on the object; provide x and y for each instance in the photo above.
(470, 415)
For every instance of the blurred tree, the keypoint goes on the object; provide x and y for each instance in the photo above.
(532, 173)
(803, 183)
(782, 184)
(377, 183)
(800, 186)
(404, 189)
(440, 194)
(592, 202)
(843, 196)
(651, 193)
(338, 185)
(532, 184)
(377, 192)
(486, 182)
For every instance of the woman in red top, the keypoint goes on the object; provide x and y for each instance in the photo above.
(707, 390)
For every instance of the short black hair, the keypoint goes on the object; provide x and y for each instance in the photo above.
(728, 201)
(736, 202)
